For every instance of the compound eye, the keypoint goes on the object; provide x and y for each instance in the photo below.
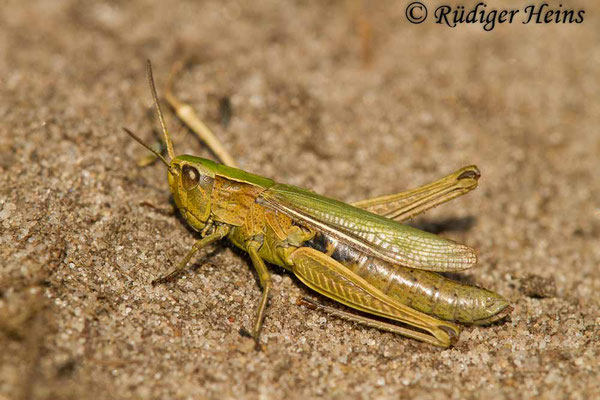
(190, 177)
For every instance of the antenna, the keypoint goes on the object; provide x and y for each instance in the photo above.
(160, 116)
(157, 154)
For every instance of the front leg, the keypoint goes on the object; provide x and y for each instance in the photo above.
(218, 234)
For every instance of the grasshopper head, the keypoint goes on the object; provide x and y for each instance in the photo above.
(191, 178)
(191, 181)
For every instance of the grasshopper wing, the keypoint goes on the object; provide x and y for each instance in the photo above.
(370, 233)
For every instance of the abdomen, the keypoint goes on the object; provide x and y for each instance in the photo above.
(424, 291)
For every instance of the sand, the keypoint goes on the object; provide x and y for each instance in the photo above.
(347, 99)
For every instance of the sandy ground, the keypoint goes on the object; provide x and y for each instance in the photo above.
(349, 100)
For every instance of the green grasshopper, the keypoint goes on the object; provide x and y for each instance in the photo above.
(359, 255)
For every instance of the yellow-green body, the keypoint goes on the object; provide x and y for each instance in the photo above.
(290, 227)
(359, 255)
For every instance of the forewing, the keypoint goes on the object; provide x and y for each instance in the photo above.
(374, 235)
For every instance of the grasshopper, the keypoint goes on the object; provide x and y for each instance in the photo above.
(360, 254)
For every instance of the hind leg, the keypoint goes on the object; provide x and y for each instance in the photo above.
(405, 205)
(330, 278)
(189, 117)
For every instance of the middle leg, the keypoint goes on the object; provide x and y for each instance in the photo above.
(264, 276)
